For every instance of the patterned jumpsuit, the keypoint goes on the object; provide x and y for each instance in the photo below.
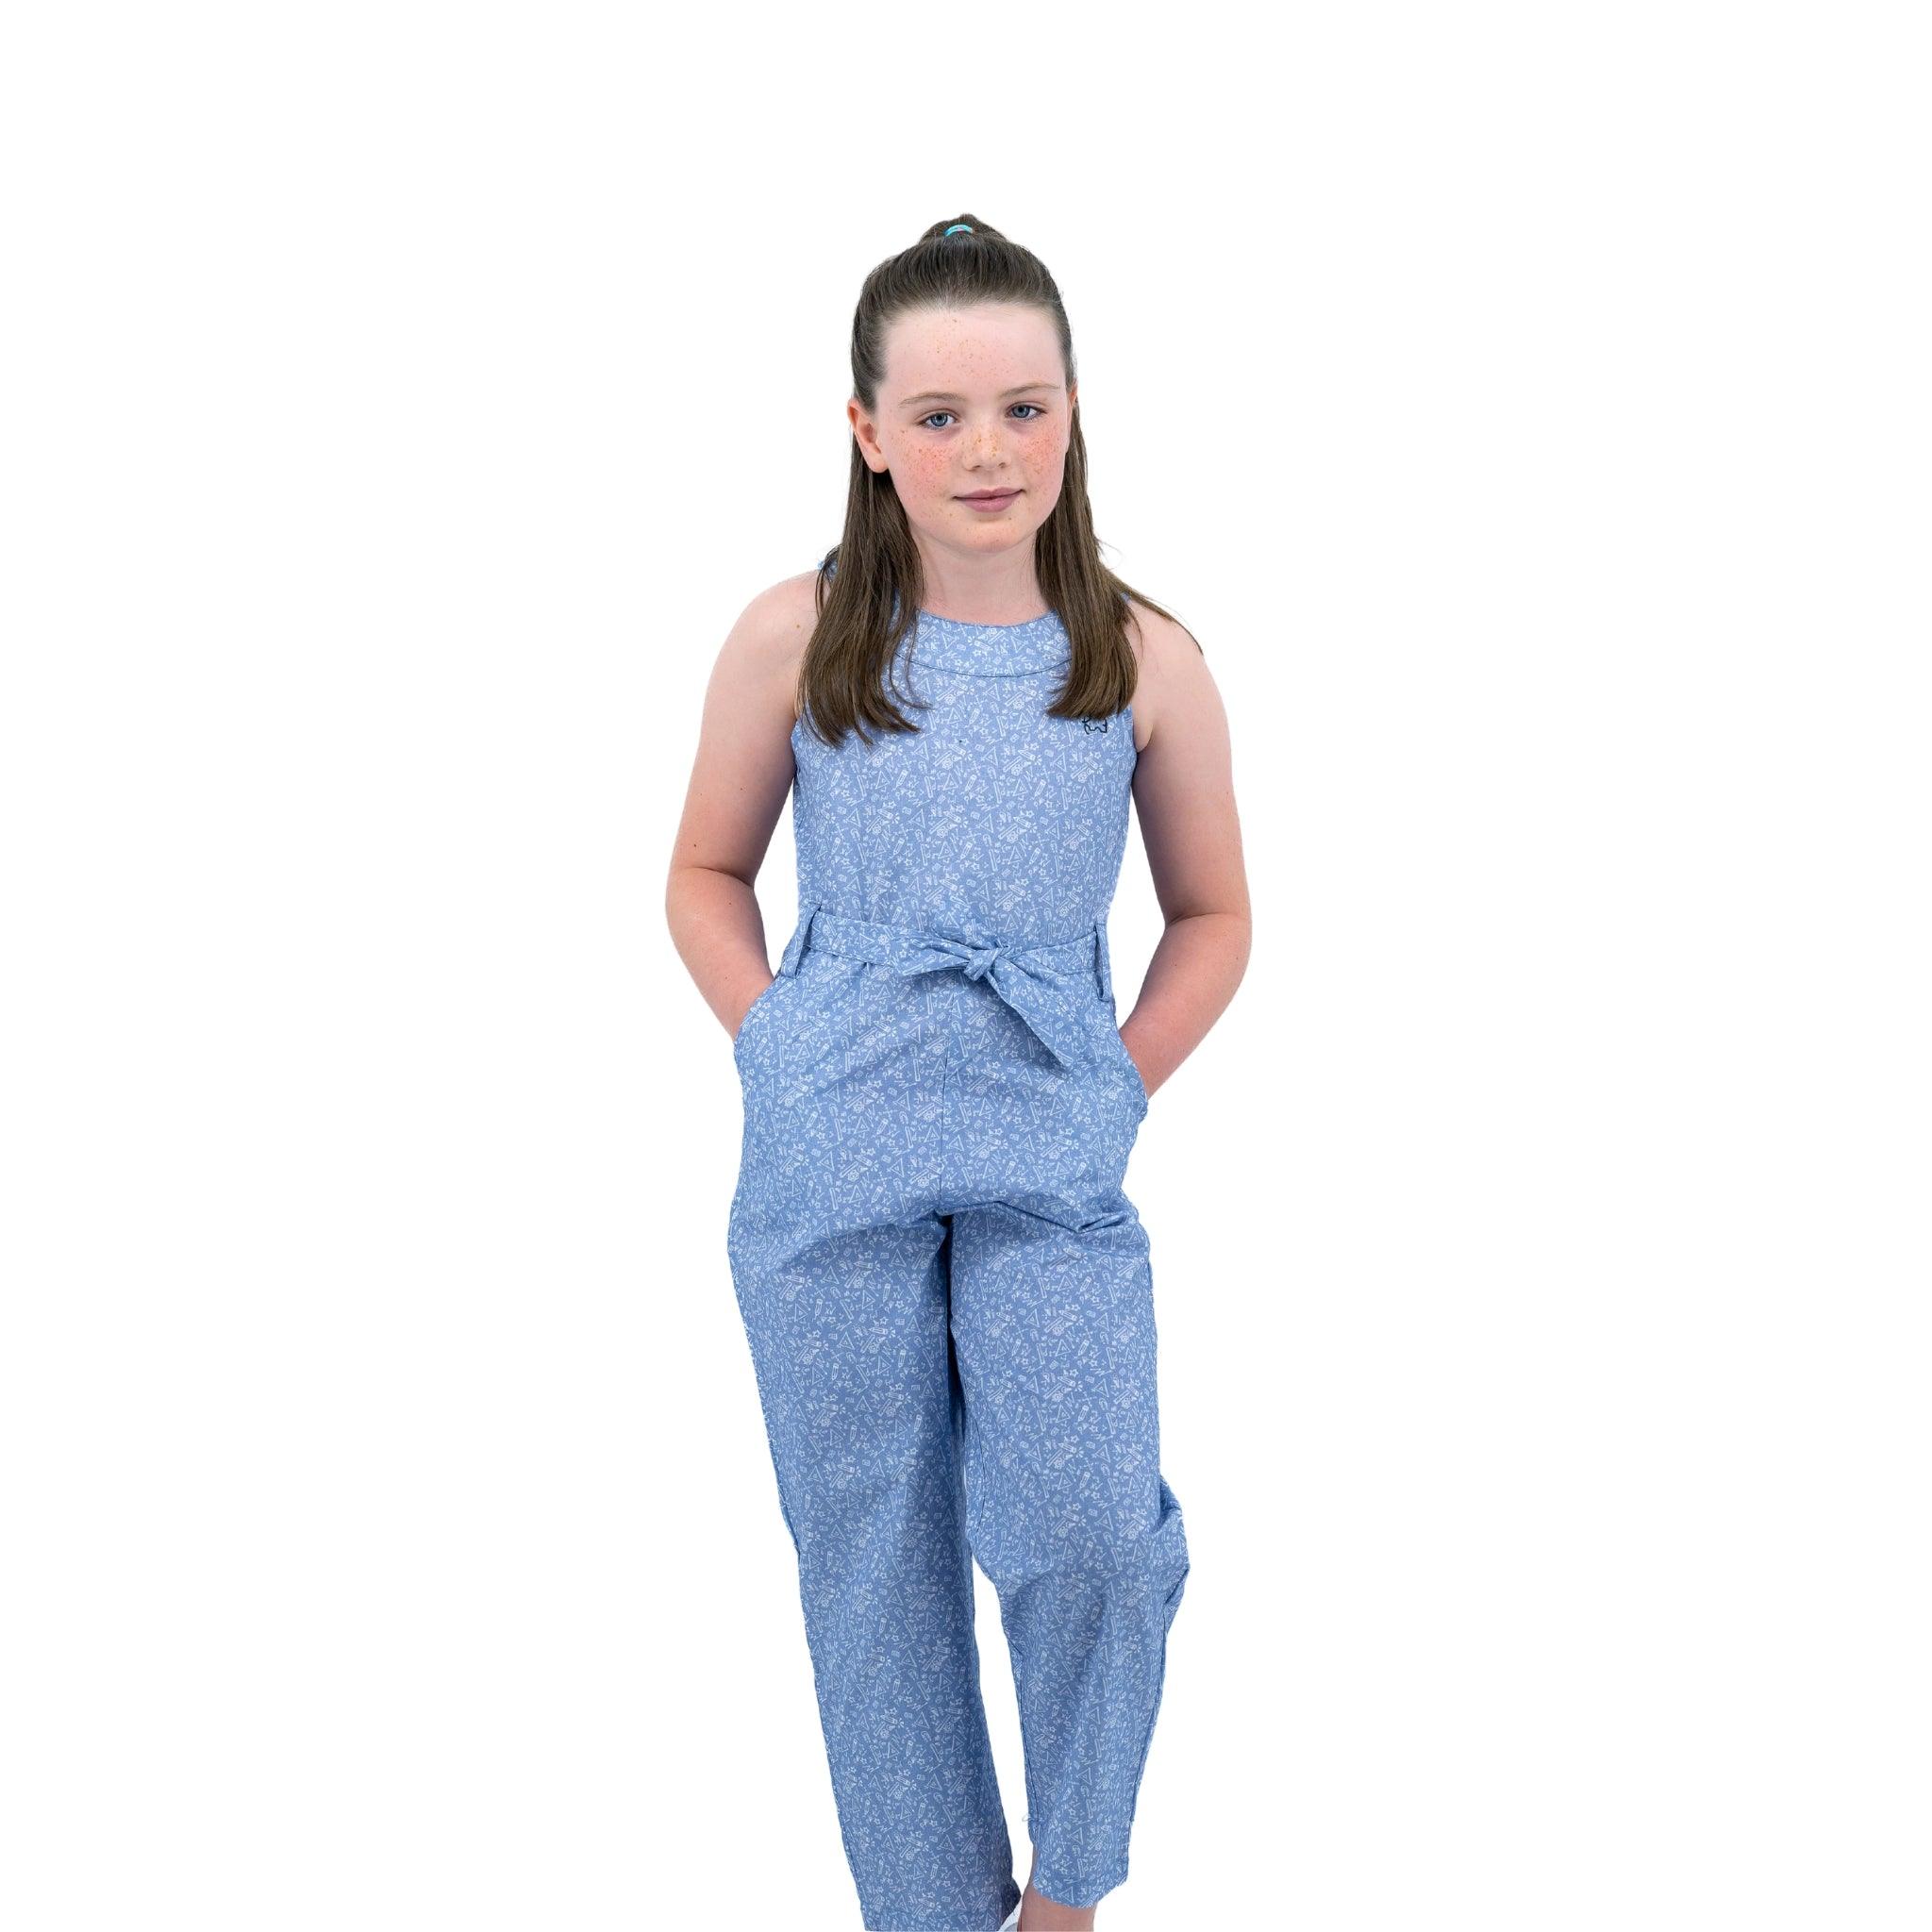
(947, 1295)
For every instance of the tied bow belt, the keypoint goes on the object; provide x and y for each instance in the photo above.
(1050, 985)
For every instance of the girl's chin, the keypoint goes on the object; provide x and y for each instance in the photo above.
(1014, 516)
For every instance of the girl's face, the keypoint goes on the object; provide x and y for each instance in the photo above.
(973, 400)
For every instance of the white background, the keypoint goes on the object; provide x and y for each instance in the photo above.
(1525, 407)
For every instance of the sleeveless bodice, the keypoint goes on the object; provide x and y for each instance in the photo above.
(993, 821)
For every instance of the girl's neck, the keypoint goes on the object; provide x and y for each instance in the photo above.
(1003, 600)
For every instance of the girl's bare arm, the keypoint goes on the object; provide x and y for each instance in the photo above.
(739, 783)
(1184, 794)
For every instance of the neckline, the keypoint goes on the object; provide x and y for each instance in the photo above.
(991, 650)
(984, 650)
(967, 624)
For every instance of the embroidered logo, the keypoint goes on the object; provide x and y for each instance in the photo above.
(1095, 724)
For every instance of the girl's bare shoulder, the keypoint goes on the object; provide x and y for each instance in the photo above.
(766, 646)
(1169, 662)
(781, 617)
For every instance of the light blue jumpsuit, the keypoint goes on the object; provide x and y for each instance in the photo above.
(947, 1293)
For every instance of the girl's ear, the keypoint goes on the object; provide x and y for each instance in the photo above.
(864, 434)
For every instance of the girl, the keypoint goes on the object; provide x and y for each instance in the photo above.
(947, 1293)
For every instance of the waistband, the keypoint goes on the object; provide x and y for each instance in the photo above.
(1050, 984)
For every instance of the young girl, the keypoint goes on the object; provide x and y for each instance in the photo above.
(947, 1295)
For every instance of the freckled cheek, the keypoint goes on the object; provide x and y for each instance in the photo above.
(1046, 468)
(928, 474)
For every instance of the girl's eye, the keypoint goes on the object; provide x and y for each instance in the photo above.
(1037, 411)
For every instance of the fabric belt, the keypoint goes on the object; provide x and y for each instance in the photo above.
(1051, 986)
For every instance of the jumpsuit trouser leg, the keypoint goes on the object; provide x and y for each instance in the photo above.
(849, 1342)
(1068, 1514)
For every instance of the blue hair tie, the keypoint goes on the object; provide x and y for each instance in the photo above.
(956, 227)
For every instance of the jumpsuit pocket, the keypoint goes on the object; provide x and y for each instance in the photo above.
(1127, 1060)
(753, 1011)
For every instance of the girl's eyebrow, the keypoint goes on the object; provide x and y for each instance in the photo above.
(933, 395)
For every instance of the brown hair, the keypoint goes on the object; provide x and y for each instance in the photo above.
(847, 664)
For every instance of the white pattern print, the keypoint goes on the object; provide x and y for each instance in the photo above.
(947, 1295)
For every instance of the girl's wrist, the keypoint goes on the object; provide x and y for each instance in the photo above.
(748, 1000)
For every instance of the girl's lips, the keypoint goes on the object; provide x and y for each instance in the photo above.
(999, 502)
